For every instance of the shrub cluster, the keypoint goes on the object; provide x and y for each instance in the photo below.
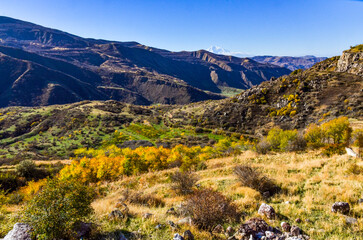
(250, 177)
(208, 208)
(183, 182)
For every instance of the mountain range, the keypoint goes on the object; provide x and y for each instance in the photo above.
(43, 66)
(292, 63)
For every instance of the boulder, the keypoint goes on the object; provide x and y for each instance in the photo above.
(267, 210)
(341, 207)
(172, 225)
(254, 226)
(20, 231)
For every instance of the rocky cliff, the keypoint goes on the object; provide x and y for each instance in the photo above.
(351, 61)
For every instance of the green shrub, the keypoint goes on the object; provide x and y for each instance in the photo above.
(55, 210)
(279, 139)
(337, 130)
(26, 168)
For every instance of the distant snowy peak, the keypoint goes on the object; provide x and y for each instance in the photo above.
(222, 51)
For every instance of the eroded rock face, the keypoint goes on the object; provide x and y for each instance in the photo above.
(351, 62)
(20, 231)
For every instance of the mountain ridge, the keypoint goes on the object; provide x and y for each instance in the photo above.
(123, 71)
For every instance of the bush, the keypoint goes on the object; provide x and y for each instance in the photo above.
(297, 144)
(314, 136)
(183, 182)
(208, 208)
(279, 139)
(251, 178)
(338, 130)
(263, 147)
(332, 149)
(26, 168)
(140, 198)
(10, 182)
(55, 210)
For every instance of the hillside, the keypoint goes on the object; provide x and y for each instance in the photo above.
(292, 63)
(293, 101)
(66, 68)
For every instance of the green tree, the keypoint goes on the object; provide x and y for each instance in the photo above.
(54, 211)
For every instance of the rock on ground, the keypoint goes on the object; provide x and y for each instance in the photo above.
(20, 231)
(341, 207)
(267, 210)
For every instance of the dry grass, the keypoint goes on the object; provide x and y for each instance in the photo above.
(311, 184)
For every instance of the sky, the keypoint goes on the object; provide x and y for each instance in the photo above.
(254, 27)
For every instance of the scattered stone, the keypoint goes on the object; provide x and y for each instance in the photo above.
(116, 215)
(360, 200)
(286, 227)
(295, 231)
(298, 220)
(254, 226)
(218, 229)
(267, 210)
(173, 225)
(178, 237)
(287, 202)
(147, 215)
(159, 226)
(350, 220)
(188, 235)
(171, 211)
(229, 231)
(293, 238)
(341, 207)
(270, 235)
(20, 231)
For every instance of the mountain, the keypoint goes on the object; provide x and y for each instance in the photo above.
(329, 89)
(292, 63)
(222, 51)
(43, 66)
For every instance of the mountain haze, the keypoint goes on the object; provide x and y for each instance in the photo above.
(42, 66)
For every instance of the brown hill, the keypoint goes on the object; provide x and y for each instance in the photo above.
(124, 71)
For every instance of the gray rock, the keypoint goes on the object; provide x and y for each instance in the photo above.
(83, 229)
(360, 200)
(188, 235)
(171, 211)
(350, 220)
(267, 210)
(293, 238)
(159, 226)
(177, 236)
(20, 231)
(341, 207)
(270, 235)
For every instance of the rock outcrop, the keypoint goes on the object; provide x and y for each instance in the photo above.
(351, 61)
(20, 231)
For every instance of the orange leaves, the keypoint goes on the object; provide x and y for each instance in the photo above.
(112, 162)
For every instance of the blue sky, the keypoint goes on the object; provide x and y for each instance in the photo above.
(256, 27)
